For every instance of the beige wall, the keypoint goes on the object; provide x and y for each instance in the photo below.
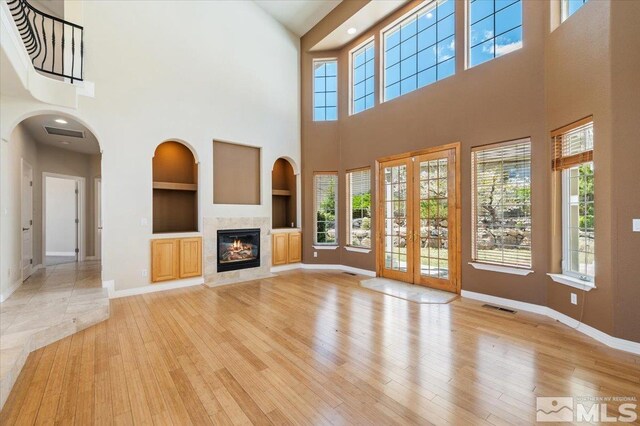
(625, 85)
(555, 79)
(236, 174)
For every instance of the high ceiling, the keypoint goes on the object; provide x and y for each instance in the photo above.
(299, 16)
(35, 127)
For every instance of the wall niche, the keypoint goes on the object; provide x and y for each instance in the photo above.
(175, 189)
(283, 191)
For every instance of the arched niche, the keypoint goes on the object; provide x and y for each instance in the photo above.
(175, 189)
(284, 195)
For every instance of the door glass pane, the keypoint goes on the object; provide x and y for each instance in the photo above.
(434, 215)
(395, 218)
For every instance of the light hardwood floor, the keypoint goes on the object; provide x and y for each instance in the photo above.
(310, 348)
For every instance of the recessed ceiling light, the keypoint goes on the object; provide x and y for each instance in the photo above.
(64, 142)
(351, 31)
(61, 121)
(429, 15)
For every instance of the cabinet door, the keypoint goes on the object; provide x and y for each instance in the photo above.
(295, 247)
(190, 257)
(280, 249)
(165, 254)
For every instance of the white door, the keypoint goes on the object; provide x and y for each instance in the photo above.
(98, 195)
(61, 218)
(27, 220)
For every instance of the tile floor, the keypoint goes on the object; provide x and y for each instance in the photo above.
(53, 303)
(413, 293)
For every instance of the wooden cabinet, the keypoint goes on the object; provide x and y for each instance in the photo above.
(175, 258)
(280, 249)
(165, 255)
(190, 257)
(295, 247)
(287, 248)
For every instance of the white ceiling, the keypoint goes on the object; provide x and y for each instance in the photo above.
(299, 16)
(35, 127)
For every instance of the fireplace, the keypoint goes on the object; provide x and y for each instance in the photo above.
(238, 249)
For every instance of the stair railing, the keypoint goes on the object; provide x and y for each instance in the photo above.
(54, 45)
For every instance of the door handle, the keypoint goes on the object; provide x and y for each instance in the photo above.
(100, 227)
(25, 229)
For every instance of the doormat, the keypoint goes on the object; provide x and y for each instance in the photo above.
(413, 293)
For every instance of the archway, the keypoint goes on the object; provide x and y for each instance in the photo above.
(53, 159)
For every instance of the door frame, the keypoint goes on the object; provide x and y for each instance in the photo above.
(98, 218)
(379, 215)
(24, 162)
(81, 211)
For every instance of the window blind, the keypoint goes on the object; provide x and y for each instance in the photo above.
(502, 203)
(359, 213)
(325, 207)
(572, 144)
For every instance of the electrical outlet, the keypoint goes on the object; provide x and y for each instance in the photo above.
(315, 254)
(574, 298)
(143, 221)
(636, 225)
(144, 273)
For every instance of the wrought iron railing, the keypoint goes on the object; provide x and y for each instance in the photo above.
(54, 45)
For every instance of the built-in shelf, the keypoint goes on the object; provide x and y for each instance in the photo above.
(175, 189)
(175, 186)
(283, 195)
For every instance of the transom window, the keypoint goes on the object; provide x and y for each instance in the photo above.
(420, 50)
(325, 200)
(325, 90)
(362, 62)
(495, 29)
(569, 7)
(573, 157)
(359, 212)
(502, 204)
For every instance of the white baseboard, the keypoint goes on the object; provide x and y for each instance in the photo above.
(343, 268)
(151, 288)
(60, 253)
(289, 267)
(611, 341)
(8, 292)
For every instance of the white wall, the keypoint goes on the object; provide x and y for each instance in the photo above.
(61, 208)
(195, 71)
(10, 204)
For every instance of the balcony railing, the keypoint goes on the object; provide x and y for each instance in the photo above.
(55, 46)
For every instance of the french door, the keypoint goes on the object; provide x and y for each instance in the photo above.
(419, 210)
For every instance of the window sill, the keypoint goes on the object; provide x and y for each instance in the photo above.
(327, 247)
(572, 282)
(357, 249)
(499, 268)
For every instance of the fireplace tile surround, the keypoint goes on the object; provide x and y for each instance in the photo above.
(212, 277)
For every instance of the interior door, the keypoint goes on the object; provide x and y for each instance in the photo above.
(396, 199)
(419, 211)
(27, 220)
(436, 220)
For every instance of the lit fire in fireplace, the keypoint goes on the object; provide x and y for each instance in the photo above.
(238, 251)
